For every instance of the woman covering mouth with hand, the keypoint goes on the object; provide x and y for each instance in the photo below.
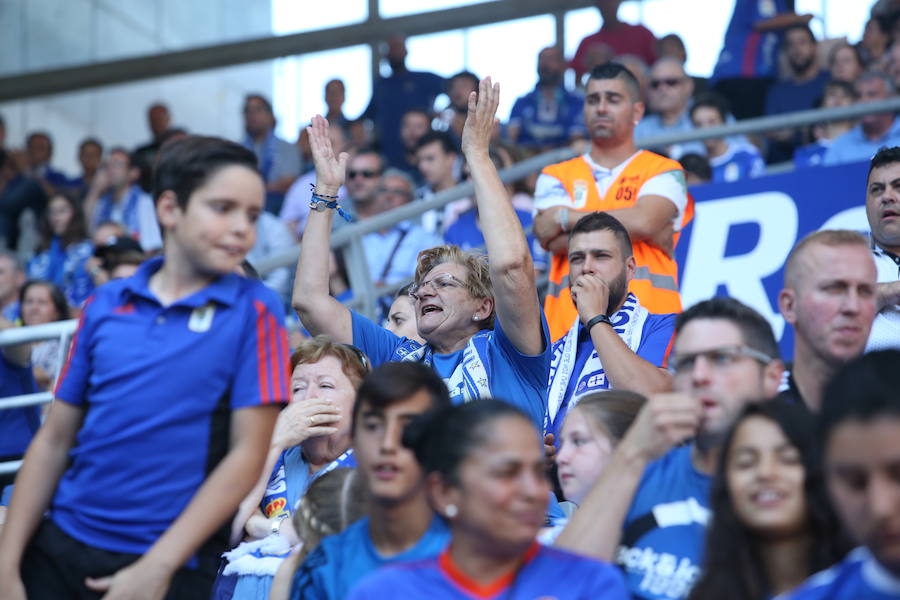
(484, 331)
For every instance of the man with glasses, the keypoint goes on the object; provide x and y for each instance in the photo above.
(829, 297)
(649, 509)
(668, 97)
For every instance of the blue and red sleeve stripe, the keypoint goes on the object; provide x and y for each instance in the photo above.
(271, 356)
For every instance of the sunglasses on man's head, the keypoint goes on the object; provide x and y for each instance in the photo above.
(362, 173)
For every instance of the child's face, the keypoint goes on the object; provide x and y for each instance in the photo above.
(218, 227)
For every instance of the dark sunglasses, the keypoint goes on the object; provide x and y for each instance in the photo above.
(364, 173)
(667, 82)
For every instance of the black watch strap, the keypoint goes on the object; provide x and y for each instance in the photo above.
(601, 318)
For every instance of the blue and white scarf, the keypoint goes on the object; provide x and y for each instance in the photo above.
(628, 322)
(129, 216)
(469, 380)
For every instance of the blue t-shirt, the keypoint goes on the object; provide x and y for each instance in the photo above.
(17, 425)
(552, 123)
(854, 146)
(738, 162)
(857, 577)
(391, 98)
(811, 155)
(653, 346)
(158, 386)
(340, 561)
(465, 233)
(512, 376)
(787, 96)
(546, 573)
(665, 528)
(745, 52)
(67, 268)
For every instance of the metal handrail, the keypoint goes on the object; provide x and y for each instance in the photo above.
(354, 232)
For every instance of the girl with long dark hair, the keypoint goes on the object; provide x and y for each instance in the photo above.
(772, 523)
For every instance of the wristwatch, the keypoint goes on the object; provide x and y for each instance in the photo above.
(276, 525)
(601, 318)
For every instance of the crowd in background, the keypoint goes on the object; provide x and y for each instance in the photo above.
(678, 446)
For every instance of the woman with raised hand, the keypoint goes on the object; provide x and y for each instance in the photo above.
(485, 473)
(481, 320)
(772, 523)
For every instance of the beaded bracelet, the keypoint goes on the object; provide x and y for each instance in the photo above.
(312, 188)
(330, 203)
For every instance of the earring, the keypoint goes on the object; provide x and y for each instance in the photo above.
(475, 317)
(451, 511)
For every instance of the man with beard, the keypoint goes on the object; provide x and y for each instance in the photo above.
(646, 192)
(800, 91)
(649, 509)
(550, 116)
(614, 342)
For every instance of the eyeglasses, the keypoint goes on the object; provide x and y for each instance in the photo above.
(717, 358)
(362, 173)
(438, 283)
(669, 82)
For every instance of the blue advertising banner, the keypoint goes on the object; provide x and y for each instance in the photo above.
(742, 233)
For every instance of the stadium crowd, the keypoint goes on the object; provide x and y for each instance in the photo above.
(481, 439)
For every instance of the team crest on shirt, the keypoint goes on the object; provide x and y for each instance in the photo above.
(202, 318)
(579, 193)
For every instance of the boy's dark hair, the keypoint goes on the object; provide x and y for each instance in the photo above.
(56, 295)
(613, 70)
(801, 27)
(262, 99)
(42, 134)
(448, 144)
(697, 165)
(186, 164)
(864, 389)
(394, 382)
(884, 157)
(734, 566)
(713, 101)
(847, 87)
(442, 439)
(466, 75)
(90, 142)
(601, 221)
(754, 328)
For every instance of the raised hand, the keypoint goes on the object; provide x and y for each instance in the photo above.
(481, 120)
(331, 170)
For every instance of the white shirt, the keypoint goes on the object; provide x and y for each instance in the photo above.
(885, 332)
(549, 191)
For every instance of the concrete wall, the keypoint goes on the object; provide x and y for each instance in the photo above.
(47, 34)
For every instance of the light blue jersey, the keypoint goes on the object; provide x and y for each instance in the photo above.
(341, 561)
(857, 577)
(739, 162)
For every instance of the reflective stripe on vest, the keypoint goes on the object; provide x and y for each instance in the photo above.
(655, 282)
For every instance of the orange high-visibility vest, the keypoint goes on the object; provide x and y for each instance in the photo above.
(655, 282)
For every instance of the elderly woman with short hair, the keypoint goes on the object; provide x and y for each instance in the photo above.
(480, 318)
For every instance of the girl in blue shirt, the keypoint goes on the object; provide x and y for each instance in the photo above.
(64, 249)
(486, 475)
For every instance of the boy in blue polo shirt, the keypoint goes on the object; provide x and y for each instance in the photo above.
(164, 408)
